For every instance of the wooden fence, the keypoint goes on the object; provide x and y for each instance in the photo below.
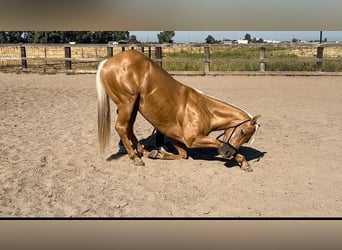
(73, 58)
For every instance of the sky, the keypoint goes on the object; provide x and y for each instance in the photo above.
(199, 36)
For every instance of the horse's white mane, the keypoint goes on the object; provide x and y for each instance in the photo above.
(235, 106)
(251, 140)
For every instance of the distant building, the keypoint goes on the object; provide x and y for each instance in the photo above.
(242, 41)
(227, 41)
(113, 42)
(271, 41)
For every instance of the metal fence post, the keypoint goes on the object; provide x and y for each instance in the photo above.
(67, 52)
(23, 57)
(149, 52)
(319, 62)
(159, 56)
(206, 59)
(262, 59)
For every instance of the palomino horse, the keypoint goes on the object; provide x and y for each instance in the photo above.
(186, 116)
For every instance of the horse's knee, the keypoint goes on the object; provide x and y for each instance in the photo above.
(182, 154)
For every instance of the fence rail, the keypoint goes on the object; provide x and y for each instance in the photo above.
(54, 58)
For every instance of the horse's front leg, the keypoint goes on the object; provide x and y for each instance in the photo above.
(223, 149)
(158, 154)
(243, 163)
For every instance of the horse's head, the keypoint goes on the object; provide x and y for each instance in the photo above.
(238, 134)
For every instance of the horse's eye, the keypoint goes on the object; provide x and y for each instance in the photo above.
(242, 133)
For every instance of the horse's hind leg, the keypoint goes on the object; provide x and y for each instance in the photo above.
(124, 127)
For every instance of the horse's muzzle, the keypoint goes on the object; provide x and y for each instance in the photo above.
(227, 151)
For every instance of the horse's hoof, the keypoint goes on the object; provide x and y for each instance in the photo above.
(247, 168)
(139, 164)
(153, 154)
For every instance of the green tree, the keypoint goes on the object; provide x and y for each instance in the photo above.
(120, 35)
(248, 37)
(62, 36)
(106, 36)
(3, 37)
(260, 40)
(15, 37)
(295, 40)
(166, 36)
(210, 39)
(133, 39)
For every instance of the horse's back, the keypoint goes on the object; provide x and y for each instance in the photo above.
(121, 75)
(131, 74)
(127, 63)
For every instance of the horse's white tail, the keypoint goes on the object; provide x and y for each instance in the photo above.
(103, 111)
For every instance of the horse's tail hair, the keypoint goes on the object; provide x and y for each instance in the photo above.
(103, 111)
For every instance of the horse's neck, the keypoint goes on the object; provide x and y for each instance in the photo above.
(225, 114)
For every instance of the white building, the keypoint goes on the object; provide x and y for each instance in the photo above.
(242, 41)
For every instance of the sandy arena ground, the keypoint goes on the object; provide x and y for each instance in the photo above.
(50, 163)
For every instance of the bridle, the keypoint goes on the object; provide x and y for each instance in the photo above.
(228, 141)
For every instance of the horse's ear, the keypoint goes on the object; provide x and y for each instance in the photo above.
(254, 119)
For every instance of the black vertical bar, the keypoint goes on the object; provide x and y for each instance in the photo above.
(23, 57)
(67, 52)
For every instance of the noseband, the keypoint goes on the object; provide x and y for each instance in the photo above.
(228, 141)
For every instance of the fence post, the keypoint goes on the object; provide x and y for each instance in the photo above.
(67, 52)
(159, 56)
(23, 57)
(149, 52)
(45, 59)
(143, 49)
(206, 59)
(262, 59)
(123, 48)
(109, 51)
(319, 62)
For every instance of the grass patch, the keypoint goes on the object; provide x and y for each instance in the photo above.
(332, 67)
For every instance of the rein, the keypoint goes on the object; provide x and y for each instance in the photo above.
(227, 142)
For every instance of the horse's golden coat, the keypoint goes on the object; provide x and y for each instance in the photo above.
(186, 116)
